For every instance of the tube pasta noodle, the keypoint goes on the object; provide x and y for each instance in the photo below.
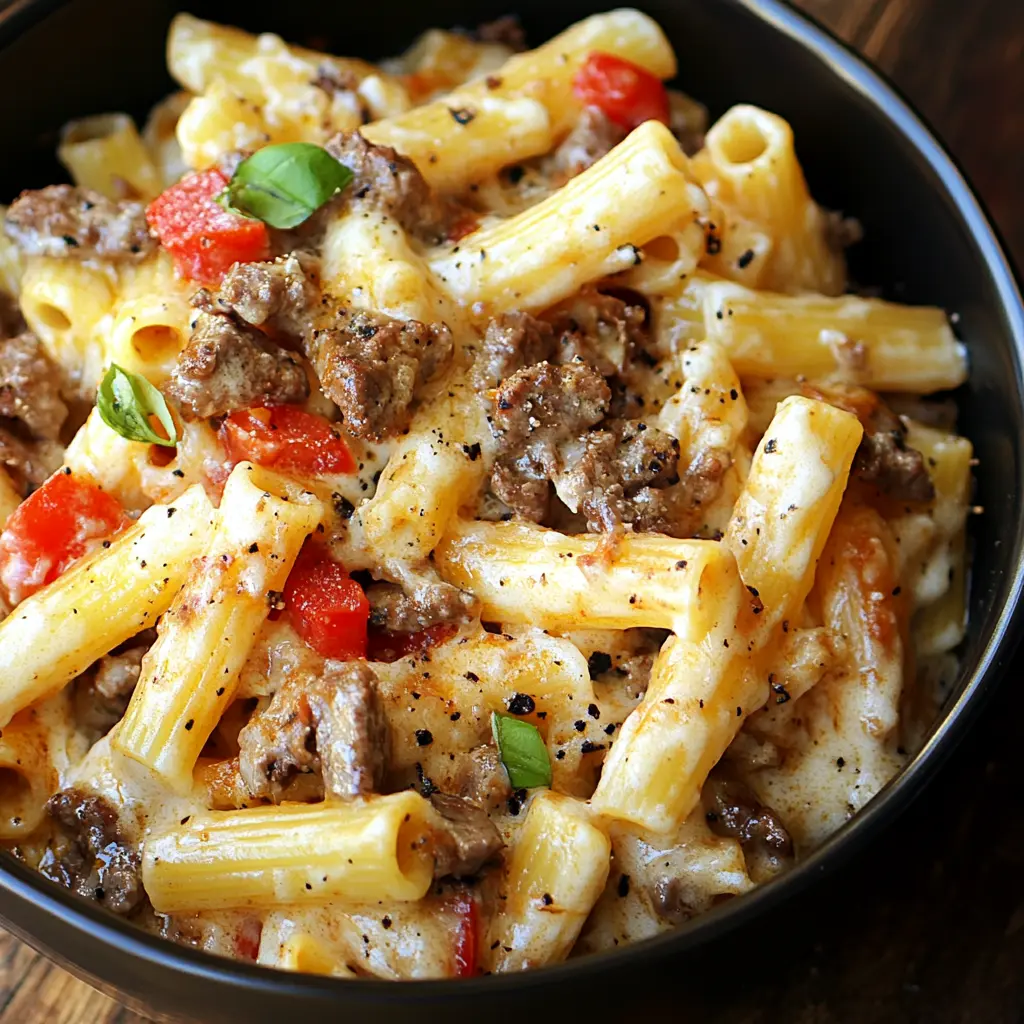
(214, 620)
(106, 153)
(33, 757)
(67, 304)
(749, 162)
(151, 320)
(580, 233)
(252, 90)
(698, 695)
(608, 517)
(376, 850)
(558, 868)
(527, 574)
(100, 602)
(526, 107)
(877, 344)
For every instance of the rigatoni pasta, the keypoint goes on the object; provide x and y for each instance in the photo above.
(485, 529)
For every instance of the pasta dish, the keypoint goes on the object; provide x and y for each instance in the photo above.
(457, 511)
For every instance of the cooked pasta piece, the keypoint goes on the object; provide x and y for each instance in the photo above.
(559, 866)
(152, 319)
(100, 602)
(527, 574)
(880, 345)
(190, 674)
(523, 109)
(376, 849)
(590, 227)
(68, 304)
(106, 154)
(36, 748)
(700, 693)
(749, 164)
(252, 90)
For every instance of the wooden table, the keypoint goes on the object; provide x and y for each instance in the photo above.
(932, 932)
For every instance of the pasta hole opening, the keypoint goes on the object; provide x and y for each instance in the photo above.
(91, 129)
(664, 248)
(744, 143)
(414, 856)
(161, 456)
(157, 343)
(52, 317)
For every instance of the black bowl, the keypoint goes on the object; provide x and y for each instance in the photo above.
(927, 240)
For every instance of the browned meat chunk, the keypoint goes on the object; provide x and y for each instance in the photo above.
(389, 182)
(672, 900)
(609, 475)
(466, 840)
(601, 329)
(512, 341)
(732, 810)
(352, 735)
(28, 462)
(539, 410)
(30, 386)
(278, 297)
(409, 609)
(11, 320)
(371, 367)
(229, 365)
(333, 723)
(102, 693)
(90, 853)
(481, 777)
(594, 327)
(61, 220)
(887, 461)
(542, 405)
(884, 459)
(505, 30)
(592, 137)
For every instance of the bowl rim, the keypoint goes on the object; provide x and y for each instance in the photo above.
(19, 882)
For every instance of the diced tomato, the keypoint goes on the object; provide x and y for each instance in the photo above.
(286, 438)
(203, 237)
(388, 646)
(464, 224)
(626, 92)
(326, 606)
(467, 939)
(51, 529)
(247, 938)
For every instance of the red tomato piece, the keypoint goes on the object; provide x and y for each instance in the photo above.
(467, 939)
(52, 528)
(203, 237)
(286, 438)
(247, 939)
(326, 606)
(387, 646)
(627, 93)
(465, 224)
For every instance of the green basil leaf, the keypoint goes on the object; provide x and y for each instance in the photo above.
(126, 401)
(522, 751)
(286, 184)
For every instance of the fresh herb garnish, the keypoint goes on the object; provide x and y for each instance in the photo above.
(126, 401)
(522, 751)
(284, 185)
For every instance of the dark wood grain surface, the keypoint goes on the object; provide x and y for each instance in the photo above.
(929, 925)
